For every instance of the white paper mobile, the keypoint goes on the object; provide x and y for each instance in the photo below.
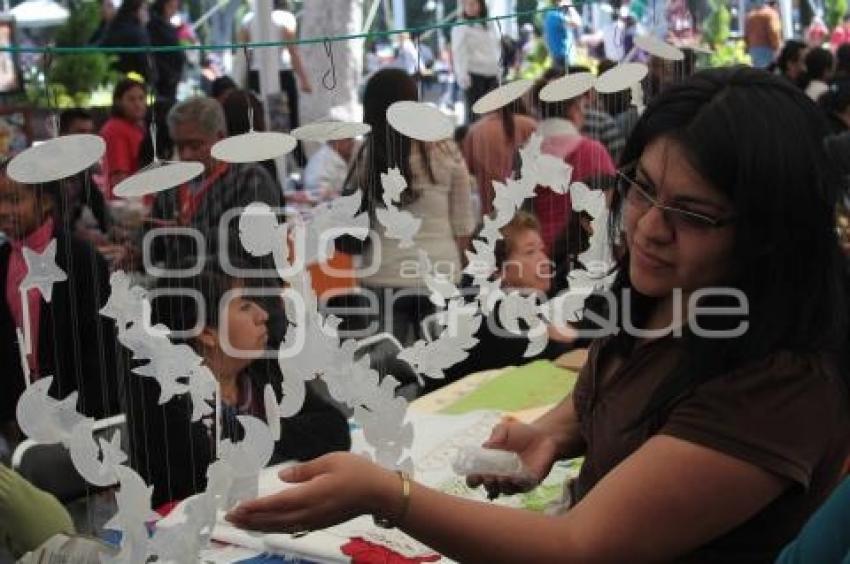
(44, 419)
(253, 146)
(502, 96)
(621, 77)
(158, 176)
(658, 48)
(419, 121)
(399, 224)
(42, 270)
(272, 412)
(57, 158)
(323, 131)
(568, 87)
(86, 455)
(134, 510)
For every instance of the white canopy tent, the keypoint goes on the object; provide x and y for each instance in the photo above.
(39, 13)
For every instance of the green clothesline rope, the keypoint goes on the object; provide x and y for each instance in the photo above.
(264, 44)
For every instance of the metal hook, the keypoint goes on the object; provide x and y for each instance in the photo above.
(53, 117)
(249, 57)
(501, 52)
(152, 73)
(419, 64)
(619, 36)
(330, 74)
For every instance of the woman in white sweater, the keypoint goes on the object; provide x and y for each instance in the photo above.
(438, 194)
(475, 55)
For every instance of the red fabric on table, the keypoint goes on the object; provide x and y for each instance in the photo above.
(362, 551)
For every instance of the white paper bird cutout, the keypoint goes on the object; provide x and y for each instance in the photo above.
(45, 419)
(393, 184)
(168, 364)
(85, 454)
(543, 169)
(381, 415)
(515, 307)
(399, 224)
(262, 233)
(134, 510)
(431, 359)
(272, 411)
(538, 338)
(510, 196)
(442, 289)
(248, 456)
(481, 261)
(202, 389)
(293, 394)
(490, 230)
(489, 294)
(329, 221)
(336, 374)
(125, 302)
(584, 199)
(42, 270)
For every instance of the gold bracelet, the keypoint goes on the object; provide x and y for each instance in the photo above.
(386, 522)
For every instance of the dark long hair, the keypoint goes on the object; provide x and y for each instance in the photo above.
(386, 148)
(180, 312)
(129, 8)
(482, 13)
(784, 189)
(818, 63)
(790, 53)
(122, 87)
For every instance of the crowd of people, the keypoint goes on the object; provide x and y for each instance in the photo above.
(733, 178)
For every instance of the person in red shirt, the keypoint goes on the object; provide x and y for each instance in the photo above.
(124, 132)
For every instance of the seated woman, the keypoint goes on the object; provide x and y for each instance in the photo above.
(69, 339)
(172, 452)
(711, 426)
(523, 266)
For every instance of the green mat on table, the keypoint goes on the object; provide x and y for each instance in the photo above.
(536, 384)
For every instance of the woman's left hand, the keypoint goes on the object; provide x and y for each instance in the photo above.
(333, 488)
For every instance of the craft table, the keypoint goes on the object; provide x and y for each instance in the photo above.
(458, 414)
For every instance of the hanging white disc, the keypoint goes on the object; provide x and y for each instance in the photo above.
(157, 178)
(322, 131)
(252, 147)
(658, 48)
(57, 158)
(419, 121)
(621, 77)
(501, 96)
(568, 87)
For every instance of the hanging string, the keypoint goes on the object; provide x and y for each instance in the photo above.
(52, 104)
(501, 54)
(419, 76)
(329, 78)
(283, 43)
(248, 63)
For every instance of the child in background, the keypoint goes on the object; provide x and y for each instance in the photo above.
(172, 452)
(69, 338)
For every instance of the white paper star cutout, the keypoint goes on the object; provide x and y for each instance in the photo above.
(42, 271)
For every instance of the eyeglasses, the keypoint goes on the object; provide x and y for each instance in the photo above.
(639, 195)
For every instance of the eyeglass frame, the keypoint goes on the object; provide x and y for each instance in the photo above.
(707, 222)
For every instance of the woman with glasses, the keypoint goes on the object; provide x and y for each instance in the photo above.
(715, 419)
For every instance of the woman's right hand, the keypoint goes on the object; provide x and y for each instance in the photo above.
(535, 447)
